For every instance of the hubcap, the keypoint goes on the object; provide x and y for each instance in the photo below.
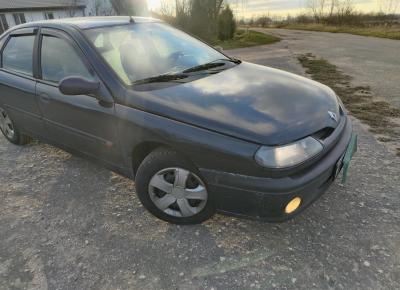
(178, 192)
(6, 125)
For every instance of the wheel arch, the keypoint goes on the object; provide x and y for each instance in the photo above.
(142, 150)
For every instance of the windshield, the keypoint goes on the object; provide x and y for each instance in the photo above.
(144, 50)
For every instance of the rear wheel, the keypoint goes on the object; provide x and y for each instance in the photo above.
(10, 131)
(171, 188)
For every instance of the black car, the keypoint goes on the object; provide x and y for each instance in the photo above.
(198, 131)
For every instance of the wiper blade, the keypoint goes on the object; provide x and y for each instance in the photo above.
(161, 78)
(211, 65)
(206, 66)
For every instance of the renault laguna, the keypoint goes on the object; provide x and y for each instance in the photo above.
(197, 130)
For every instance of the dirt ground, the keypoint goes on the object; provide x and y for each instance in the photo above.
(371, 61)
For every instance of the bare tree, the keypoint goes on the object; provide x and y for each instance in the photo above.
(71, 7)
(317, 8)
(97, 6)
(167, 8)
(333, 6)
(129, 7)
(102, 7)
(263, 21)
(388, 7)
(331, 11)
(345, 8)
(182, 7)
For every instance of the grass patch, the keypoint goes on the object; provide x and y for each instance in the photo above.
(379, 115)
(392, 32)
(247, 38)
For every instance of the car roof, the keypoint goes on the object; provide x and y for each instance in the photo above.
(91, 21)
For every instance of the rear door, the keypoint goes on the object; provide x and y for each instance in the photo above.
(17, 82)
(78, 122)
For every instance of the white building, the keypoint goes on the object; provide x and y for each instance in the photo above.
(14, 12)
(99, 8)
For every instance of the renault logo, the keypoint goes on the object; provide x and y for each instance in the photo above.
(333, 116)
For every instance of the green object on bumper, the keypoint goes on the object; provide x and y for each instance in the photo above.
(351, 149)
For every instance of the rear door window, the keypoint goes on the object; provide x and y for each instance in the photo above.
(18, 54)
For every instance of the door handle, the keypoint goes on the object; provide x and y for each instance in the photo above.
(44, 98)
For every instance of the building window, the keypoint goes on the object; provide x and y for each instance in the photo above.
(19, 18)
(3, 23)
(49, 15)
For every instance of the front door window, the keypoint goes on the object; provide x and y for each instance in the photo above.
(59, 60)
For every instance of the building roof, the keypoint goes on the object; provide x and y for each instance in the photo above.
(38, 4)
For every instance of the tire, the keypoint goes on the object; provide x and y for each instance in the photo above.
(10, 131)
(168, 170)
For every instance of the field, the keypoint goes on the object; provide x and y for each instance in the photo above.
(246, 38)
(391, 32)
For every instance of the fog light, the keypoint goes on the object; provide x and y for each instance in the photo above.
(293, 205)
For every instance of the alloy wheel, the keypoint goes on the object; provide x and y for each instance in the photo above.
(6, 125)
(178, 192)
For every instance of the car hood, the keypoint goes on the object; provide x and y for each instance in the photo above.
(248, 101)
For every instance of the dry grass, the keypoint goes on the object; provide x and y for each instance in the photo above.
(392, 32)
(380, 116)
(248, 38)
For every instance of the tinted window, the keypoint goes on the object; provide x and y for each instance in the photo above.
(17, 55)
(59, 60)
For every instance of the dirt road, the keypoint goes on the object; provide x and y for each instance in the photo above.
(371, 61)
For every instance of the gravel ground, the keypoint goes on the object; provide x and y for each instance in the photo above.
(66, 223)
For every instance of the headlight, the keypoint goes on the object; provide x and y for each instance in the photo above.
(288, 155)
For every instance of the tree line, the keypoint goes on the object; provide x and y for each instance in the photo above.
(207, 19)
(337, 12)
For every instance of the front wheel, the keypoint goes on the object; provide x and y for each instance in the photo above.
(10, 130)
(171, 189)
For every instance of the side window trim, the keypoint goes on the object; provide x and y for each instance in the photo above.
(20, 32)
(24, 31)
(62, 35)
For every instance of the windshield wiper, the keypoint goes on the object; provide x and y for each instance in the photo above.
(161, 78)
(211, 65)
(206, 66)
(170, 77)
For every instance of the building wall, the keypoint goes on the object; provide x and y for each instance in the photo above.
(40, 15)
(99, 8)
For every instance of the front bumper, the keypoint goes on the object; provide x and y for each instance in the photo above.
(266, 198)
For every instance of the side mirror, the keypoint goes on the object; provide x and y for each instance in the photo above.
(73, 86)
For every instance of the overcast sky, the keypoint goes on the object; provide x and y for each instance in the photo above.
(284, 7)
(249, 8)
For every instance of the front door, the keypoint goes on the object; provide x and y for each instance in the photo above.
(76, 122)
(17, 82)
